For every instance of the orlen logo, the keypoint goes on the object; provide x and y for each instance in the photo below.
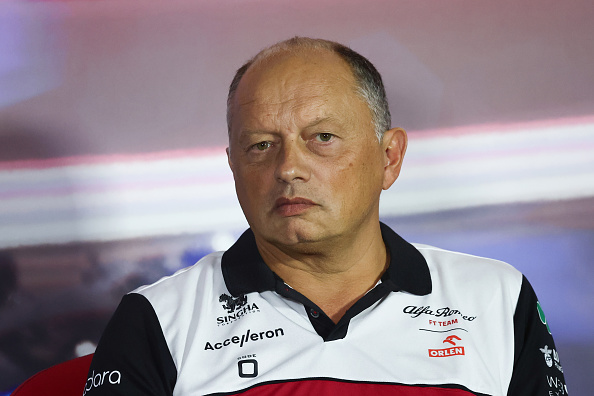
(236, 308)
(451, 339)
(453, 351)
(96, 380)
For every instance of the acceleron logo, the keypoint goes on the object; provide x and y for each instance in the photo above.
(453, 350)
(249, 336)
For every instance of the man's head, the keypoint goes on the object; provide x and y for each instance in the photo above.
(303, 148)
(368, 82)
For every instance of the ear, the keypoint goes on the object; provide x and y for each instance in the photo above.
(229, 159)
(394, 145)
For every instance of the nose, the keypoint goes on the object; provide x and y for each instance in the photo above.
(292, 164)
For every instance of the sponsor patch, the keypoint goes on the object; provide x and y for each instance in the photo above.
(551, 357)
(547, 355)
(231, 304)
(442, 323)
(556, 385)
(236, 308)
(455, 350)
(542, 317)
(247, 368)
(442, 312)
(249, 336)
(446, 352)
(452, 339)
(102, 378)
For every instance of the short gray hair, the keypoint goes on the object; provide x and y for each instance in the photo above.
(369, 85)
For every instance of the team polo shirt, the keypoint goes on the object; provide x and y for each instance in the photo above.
(437, 323)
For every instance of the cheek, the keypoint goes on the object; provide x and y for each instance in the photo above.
(363, 181)
(353, 184)
(252, 183)
(242, 184)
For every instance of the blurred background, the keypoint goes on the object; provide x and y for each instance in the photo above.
(113, 170)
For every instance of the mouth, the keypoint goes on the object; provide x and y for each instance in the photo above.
(287, 207)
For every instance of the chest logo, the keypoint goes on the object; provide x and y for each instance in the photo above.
(451, 339)
(443, 312)
(247, 368)
(235, 307)
(232, 303)
(454, 350)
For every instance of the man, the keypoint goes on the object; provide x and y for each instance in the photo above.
(319, 297)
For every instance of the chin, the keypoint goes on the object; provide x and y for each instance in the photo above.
(304, 240)
(291, 232)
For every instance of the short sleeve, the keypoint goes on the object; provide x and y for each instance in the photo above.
(537, 367)
(132, 357)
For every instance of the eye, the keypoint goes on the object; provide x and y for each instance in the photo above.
(324, 137)
(261, 146)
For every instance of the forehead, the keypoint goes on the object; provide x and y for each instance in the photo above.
(307, 83)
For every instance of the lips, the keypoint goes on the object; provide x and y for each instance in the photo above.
(292, 206)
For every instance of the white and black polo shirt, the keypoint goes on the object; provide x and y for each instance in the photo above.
(438, 323)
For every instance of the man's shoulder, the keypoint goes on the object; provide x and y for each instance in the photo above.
(448, 263)
(186, 281)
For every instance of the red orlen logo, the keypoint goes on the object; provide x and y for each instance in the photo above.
(456, 350)
(451, 339)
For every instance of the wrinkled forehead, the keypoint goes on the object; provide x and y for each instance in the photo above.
(302, 79)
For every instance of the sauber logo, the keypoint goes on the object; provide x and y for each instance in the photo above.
(453, 351)
(236, 308)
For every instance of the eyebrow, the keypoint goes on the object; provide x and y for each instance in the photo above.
(312, 124)
(317, 122)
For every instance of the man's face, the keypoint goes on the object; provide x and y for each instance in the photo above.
(308, 167)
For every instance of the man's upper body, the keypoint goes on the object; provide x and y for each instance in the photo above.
(318, 297)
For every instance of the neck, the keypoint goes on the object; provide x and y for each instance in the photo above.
(334, 277)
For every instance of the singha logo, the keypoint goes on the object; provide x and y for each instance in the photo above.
(231, 304)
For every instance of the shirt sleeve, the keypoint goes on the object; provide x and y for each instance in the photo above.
(132, 357)
(537, 367)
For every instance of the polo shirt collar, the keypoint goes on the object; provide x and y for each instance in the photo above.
(244, 270)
